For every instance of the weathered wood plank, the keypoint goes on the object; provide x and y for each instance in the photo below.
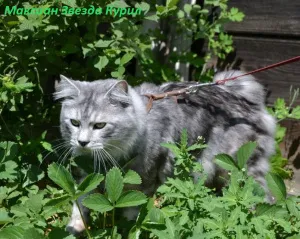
(291, 150)
(255, 53)
(268, 17)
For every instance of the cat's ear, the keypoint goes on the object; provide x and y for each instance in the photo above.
(66, 88)
(119, 92)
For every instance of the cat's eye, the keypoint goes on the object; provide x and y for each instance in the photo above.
(75, 123)
(99, 125)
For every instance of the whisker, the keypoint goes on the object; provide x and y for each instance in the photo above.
(113, 160)
(114, 146)
(102, 160)
(55, 149)
(98, 161)
(62, 161)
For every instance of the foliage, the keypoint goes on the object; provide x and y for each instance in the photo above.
(35, 49)
(281, 112)
(191, 210)
(183, 207)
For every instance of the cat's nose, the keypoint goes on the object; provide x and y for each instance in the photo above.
(83, 143)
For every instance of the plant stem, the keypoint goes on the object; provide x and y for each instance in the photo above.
(113, 218)
(85, 225)
(104, 220)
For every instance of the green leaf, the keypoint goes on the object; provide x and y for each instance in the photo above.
(184, 217)
(134, 233)
(126, 58)
(173, 147)
(103, 43)
(211, 223)
(296, 113)
(101, 62)
(225, 161)
(280, 133)
(119, 73)
(292, 207)
(86, 51)
(33, 174)
(161, 234)
(276, 186)
(62, 178)
(70, 3)
(131, 198)
(187, 8)
(90, 182)
(258, 224)
(265, 209)
(59, 201)
(244, 153)
(171, 3)
(131, 177)
(180, 185)
(97, 202)
(191, 204)
(4, 218)
(281, 111)
(235, 15)
(196, 146)
(286, 225)
(33, 233)
(47, 146)
(114, 184)
(234, 216)
(153, 17)
(156, 216)
(145, 7)
(8, 170)
(279, 103)
(34, 203)
(184, 140)
(118, 4)
(50, 28)
(19, 210)
(12, 232)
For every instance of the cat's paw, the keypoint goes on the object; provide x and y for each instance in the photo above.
(75, 226)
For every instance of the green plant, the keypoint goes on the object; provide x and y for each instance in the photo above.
(188, 209)
(183, 207)
(114, 196)
(281, 112)
(35, 49)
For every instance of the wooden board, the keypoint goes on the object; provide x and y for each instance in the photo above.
(290, 149)
(276, 17)
(255, 53)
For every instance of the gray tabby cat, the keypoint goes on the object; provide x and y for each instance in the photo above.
(108, 118)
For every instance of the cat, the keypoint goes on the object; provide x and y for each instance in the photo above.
(109, 118)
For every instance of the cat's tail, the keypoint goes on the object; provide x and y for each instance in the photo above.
(245, 86)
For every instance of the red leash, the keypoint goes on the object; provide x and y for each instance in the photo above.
(191, 89)
(291, 60)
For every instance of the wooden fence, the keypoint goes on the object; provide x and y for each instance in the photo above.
(270, 33)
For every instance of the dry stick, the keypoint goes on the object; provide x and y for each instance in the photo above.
(187, 90)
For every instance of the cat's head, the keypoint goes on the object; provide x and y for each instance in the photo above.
(97, 117)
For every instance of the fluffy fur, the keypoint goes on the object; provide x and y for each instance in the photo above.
(227, 116)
